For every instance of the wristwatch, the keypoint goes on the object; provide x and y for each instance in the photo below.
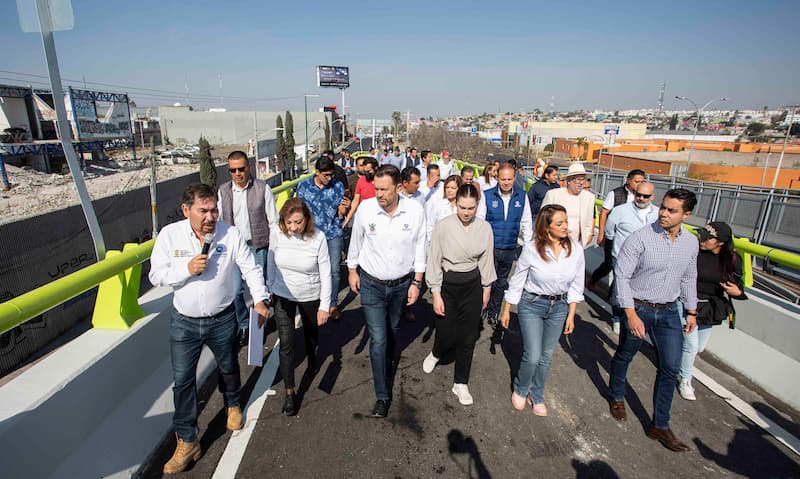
(416, 283)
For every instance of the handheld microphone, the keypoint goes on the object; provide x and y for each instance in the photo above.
(207, 240)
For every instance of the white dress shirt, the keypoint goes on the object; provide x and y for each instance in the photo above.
(447, 169)
(388, 247)
(299, 269)
(211, 292)
(624, 220)
(241, 217)
(484, 185)
(608, 202)
(556, 276)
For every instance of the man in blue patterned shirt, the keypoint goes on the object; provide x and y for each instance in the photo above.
(325, 197)
(656, 266)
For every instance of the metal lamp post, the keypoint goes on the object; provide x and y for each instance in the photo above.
(305, 109)
(699, 111)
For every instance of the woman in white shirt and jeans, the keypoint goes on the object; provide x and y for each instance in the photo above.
(547, 285)
(299, 277)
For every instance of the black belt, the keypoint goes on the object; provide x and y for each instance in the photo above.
(230, 309)
(387, 282)
(550, 297)
(653, 305)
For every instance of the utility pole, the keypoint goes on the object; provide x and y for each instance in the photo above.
(255, 140)
(783, 150)
(153, 183)
(408, 127)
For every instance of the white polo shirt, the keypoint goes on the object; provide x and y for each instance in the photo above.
(388, 247)
(211, 292)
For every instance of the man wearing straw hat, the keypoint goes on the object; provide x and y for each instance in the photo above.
(578, 202)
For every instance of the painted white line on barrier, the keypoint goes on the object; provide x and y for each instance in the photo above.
(234, 451)
(780, 434)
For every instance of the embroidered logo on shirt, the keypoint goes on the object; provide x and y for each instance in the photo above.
(220, 249)
(495, 204)
(406, 227)
(517, 205)
(372, 227)
(182, 253)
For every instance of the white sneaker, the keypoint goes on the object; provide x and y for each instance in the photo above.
(615, 327)
(462, 391)
(429, 363)
(686, 390)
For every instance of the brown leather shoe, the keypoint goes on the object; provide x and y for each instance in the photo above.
(185, 454)
(665, 437)
(334, 314)
(617, 409)
(235, 420)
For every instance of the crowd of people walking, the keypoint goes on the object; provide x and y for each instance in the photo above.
(476, 239)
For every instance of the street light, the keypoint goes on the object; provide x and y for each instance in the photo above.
(305, 110)
(697, 124)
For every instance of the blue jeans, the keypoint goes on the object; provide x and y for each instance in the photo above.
(242, 311)
(541, 322)
(335, 255)
(693, 343)
(186, 339)
(664, 327)
(503, 260)
(383, 306)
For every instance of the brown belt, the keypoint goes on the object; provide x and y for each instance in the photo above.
(653, 305)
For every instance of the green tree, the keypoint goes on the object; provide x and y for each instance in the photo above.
(208, 173)
(755, 129)
(327, 134)
(673, 122)
(289, 141)
(280, 144)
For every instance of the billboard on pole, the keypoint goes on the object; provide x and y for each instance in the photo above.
(333, 77)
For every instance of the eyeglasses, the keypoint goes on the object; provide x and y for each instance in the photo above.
(241, 169)
(642, 195)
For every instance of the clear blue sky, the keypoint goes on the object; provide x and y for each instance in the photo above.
(433, 57)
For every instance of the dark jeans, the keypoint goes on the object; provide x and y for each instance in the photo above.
(664, 327)
(186, 338)
(503, 260)
(460, 327)
(606, 266)
(285, 310)
(242, 311)
(383, 306)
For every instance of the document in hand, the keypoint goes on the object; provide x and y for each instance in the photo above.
(255, 347)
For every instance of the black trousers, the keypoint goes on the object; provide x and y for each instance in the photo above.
(285, 310)
(459, 329)
(605, 267)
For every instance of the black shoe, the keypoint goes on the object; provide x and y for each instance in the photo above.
(289, 406)
(381, 409)
(244, 337)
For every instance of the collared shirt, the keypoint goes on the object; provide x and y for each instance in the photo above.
(446, 169)
(650, 267)
(624, 220)
(536, 195)
(324, 205)
(430, 193)
(608, 203)
(388, 247)
(439, 208)
(298, 268)
(417, 196)
(423, 174)
(211, 292)
(484, 185)
(241, 216)
(525, 223)
(384, 159)
(564, 274)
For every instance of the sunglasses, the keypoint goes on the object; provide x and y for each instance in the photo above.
(641, 195)
(241, 169)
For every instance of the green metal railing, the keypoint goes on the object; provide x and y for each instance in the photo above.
(118, 276)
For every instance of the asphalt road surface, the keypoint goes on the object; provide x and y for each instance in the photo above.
(429, 434)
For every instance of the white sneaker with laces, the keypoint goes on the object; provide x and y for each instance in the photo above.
(686, 390)
(462, 392)
(429, 363)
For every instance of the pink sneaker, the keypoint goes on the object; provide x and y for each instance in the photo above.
(540, 409)
(517, 401)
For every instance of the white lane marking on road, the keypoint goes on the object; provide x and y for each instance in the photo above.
(234, 452)
(780, 434)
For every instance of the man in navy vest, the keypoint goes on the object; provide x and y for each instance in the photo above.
(616, 197)
(508, 212)
(247, 203)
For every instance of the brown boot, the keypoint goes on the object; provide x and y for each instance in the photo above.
(235, 420)
(185, 454)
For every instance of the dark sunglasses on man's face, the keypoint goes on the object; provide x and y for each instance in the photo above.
(642, 195)
(241, 169)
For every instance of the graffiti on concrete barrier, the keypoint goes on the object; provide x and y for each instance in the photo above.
(74, 263)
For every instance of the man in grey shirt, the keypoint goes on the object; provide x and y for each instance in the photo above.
(656, 266)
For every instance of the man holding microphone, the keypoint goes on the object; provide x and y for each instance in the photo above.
(197, 258)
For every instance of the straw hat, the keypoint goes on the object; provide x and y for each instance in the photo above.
(576, 169)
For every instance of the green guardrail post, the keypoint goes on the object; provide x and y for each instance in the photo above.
(117, 304)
